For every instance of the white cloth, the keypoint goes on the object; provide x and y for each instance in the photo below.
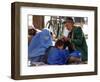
(65, 32)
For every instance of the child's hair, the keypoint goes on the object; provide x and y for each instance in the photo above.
(59, 43)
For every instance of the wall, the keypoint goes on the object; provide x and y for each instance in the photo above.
(5, 40)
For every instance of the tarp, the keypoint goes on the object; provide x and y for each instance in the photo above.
(76, 53)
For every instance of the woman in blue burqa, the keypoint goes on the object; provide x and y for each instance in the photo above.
(38, 45)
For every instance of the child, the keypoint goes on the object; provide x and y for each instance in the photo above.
(58, 56)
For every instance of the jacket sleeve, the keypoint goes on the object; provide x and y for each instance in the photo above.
(77, 37)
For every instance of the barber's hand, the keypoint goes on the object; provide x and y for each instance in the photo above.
(66, 38)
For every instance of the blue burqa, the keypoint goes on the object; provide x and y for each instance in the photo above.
(57, 56)
(39, 43)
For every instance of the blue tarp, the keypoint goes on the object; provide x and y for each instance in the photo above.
(39, 43)
(76, 54)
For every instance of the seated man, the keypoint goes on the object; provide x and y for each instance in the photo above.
(39, 43)
(58, 56)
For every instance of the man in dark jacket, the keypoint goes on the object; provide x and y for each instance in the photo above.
(76, 38)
